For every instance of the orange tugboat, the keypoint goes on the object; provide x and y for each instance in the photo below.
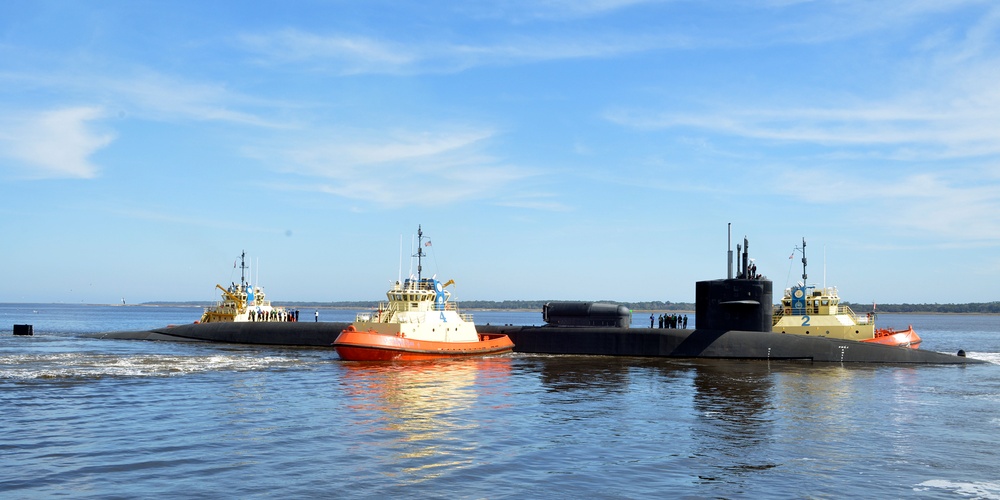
(417, 323)
(806, 310)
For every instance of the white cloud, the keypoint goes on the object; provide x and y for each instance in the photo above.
(917, 168)
(153, 95)
(524, 10)
(356, 54)
(350, 55)
(942, 102)
(168, 98)
(915, 156)
(162, 97)
(547, 202)
(959, 206)
(345, 154)
(813, 22)
(556, 30)
(911, 129)
(397, 169)
(54, 144)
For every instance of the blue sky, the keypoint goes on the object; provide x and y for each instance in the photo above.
(560, 149)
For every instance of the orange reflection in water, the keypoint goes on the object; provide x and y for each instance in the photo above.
(426, 415)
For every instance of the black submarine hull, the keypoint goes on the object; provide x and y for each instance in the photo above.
(597, 341)
(314, 334)
(703, 343)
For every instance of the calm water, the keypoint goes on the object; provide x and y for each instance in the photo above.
(110, 418)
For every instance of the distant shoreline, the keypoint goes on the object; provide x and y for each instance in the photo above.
(536, 306)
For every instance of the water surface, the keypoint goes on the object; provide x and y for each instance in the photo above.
(88, 417)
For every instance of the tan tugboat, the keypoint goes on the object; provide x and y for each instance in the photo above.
(243, 302)
(807, 310)
(417, 323)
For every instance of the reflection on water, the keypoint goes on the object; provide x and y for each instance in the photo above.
(734, 404)
(737, 423)
(422, 413)
(819, 395)
(246, 420)
(591, 373)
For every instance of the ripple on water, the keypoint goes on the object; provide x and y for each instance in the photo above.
(91, 365)
(965, 489)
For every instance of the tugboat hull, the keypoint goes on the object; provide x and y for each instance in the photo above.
(371, 346)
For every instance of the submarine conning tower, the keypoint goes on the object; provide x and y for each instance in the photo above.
(743, 302)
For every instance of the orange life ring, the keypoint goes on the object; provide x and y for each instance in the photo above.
(351, 328)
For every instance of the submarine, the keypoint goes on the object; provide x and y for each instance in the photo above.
(734, 321)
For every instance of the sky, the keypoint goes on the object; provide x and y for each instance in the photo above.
(549, 149)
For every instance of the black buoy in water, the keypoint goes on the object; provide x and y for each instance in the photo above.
(961, 353)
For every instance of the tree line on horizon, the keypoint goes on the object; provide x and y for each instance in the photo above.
(968, 308)
(653, 305)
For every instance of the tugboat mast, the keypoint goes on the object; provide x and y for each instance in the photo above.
(420, 251)
(804, 283)
(243, 270)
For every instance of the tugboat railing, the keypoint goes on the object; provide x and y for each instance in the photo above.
(850, 312)
(385, 311)
(780, 312)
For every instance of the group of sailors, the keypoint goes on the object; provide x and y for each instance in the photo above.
(259, 314)
(750, 273)
(669, 320)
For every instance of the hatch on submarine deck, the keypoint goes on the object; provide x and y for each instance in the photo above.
(572, 313)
